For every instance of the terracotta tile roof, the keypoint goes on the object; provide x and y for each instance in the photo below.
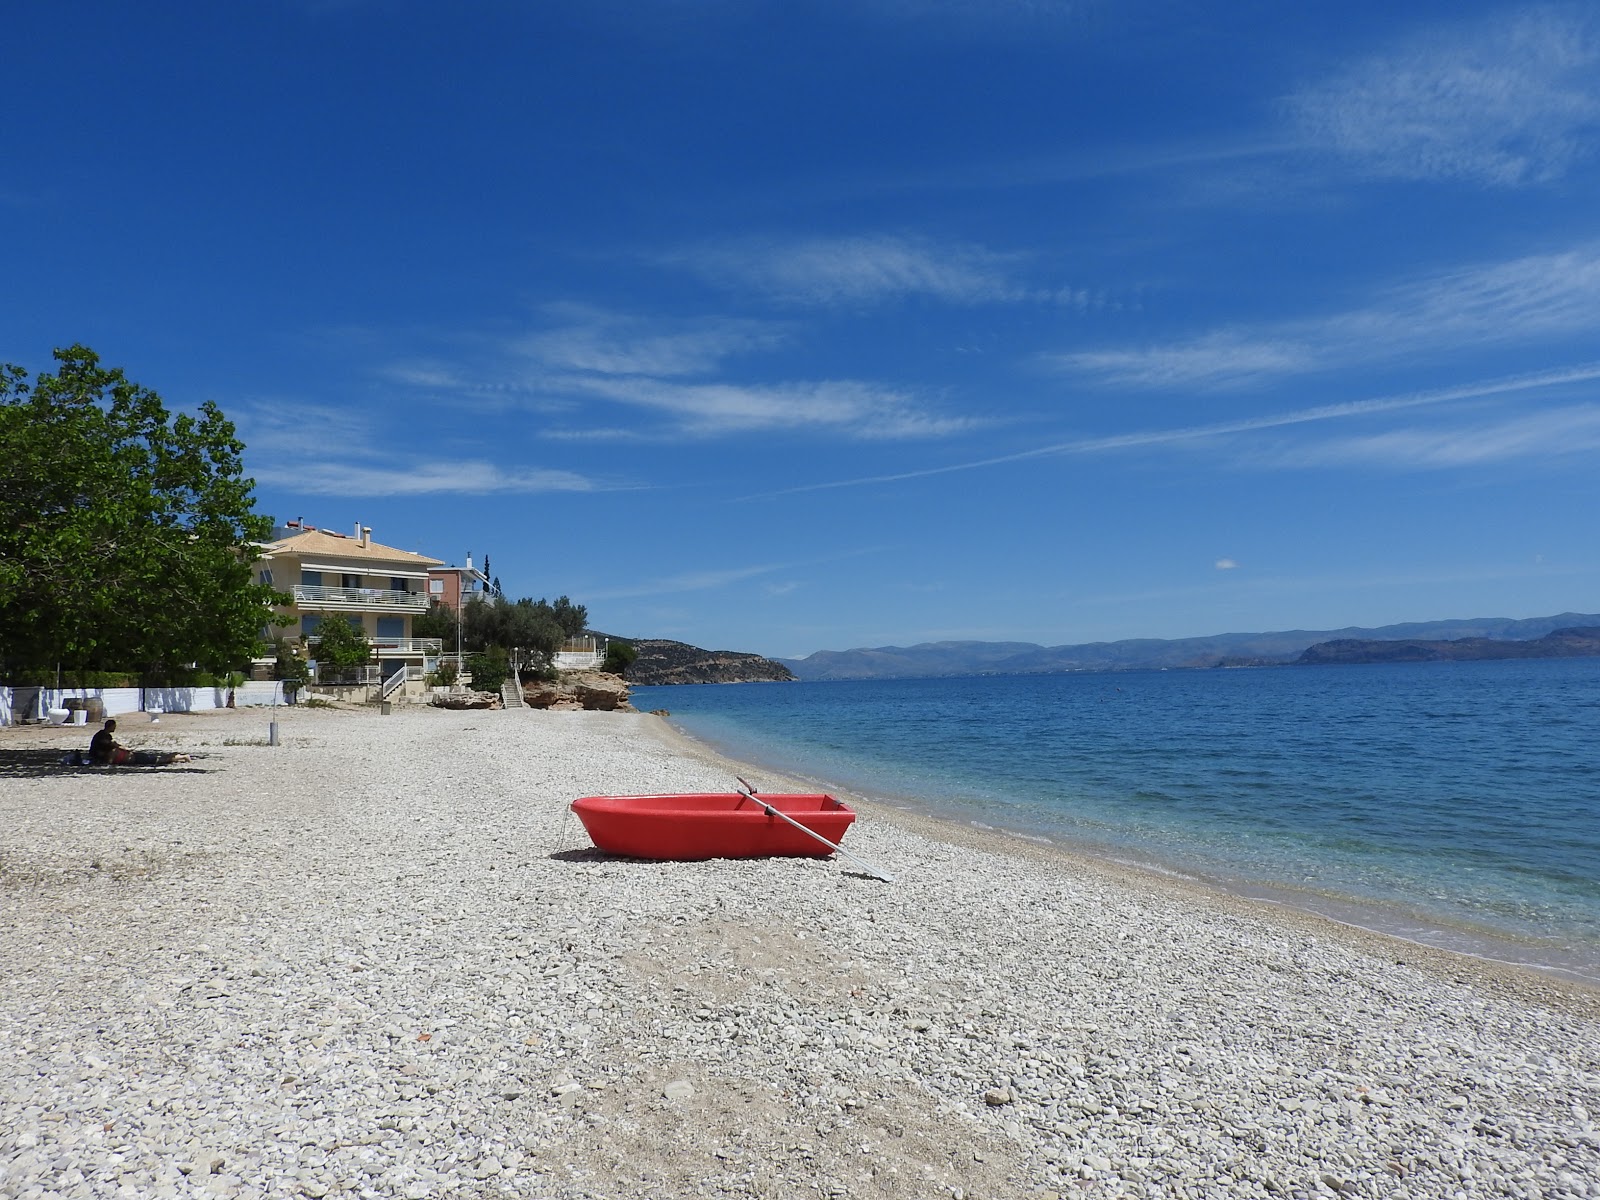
(320, 541)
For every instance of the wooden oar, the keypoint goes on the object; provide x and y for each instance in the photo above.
(876, 872)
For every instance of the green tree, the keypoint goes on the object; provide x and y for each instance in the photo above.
(620, 656)
(127, 534)
(340, 644)
(290, 667)
(489, 668)
(571, 617)
(438, 622)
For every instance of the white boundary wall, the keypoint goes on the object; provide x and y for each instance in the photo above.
(252, 694)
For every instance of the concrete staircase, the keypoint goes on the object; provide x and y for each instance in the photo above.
(511, 692)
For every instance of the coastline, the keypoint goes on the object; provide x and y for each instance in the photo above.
(382, 959)
(1406, 926)
(1520, 980)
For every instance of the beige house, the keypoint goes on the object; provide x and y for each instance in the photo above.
(349, 577)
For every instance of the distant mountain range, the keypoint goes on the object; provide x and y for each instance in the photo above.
(1580, 642)
(1222, 650)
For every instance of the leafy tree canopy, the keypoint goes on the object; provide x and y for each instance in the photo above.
(126, 533)
(340, 643)
(620, 656)
(535, 625)
(439, 621)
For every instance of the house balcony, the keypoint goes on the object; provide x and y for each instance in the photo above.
(429, 647)
(392, 647)
(342, 599)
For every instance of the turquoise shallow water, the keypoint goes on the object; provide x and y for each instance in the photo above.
(1456, 804)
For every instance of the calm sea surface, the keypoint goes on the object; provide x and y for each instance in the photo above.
(1456, 804)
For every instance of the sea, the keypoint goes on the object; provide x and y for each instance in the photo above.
(1452, 804)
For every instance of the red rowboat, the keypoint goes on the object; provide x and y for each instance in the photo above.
(690, 826)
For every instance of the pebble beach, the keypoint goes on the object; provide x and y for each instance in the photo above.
(381, 959)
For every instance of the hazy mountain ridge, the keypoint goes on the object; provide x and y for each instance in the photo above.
(1578, 642)
(1024, 658)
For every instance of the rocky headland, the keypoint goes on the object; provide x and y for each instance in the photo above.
(665, 662)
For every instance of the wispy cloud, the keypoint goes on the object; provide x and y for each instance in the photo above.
(1557, 433)
(1524, 299)
(608, 343)
(1226, 564)
(855, 270)
(472, 477)
(594, 357)
(328, 451)
(689, 581)
(1510, 385)
(1509, 101)
(1215, 360)
(286, 430)
(716, 409)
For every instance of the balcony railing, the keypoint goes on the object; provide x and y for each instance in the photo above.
(313, 595)
(395, 645)
(389, 645)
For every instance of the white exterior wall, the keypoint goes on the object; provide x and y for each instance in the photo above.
(253, 694)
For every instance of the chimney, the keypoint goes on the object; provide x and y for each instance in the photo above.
(366, 536)
(357, 534)
(469, 560)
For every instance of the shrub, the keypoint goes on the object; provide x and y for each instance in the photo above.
(619, 657)
(488, 669)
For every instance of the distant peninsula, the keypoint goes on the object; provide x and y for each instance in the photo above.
(1495, 637)
(1561, 643)
(665, 662)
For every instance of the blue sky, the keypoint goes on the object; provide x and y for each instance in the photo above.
(780, 326)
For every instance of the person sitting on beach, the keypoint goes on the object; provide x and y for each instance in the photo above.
(106, 751)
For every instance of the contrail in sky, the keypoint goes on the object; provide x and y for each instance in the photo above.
(1156, 437)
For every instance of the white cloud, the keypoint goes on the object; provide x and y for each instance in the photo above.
(1217, 359)
(1540, 296)
(421, 478)
(690, 581)
(856, 270)
(1506, 386)
(1226, 564)
(712, 409)
(424, 373)
(330, 451)
(1556, 433)
(1510, 101)
(1537, 295)
(645, 363)
(289, 429)
(615, 344)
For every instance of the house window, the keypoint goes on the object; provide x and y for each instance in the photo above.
(311, 578)
(436, 587)
(398, 585)
(308, 625)
(350, 581)
(266, 576)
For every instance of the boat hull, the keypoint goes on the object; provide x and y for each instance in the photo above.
(685, 827)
